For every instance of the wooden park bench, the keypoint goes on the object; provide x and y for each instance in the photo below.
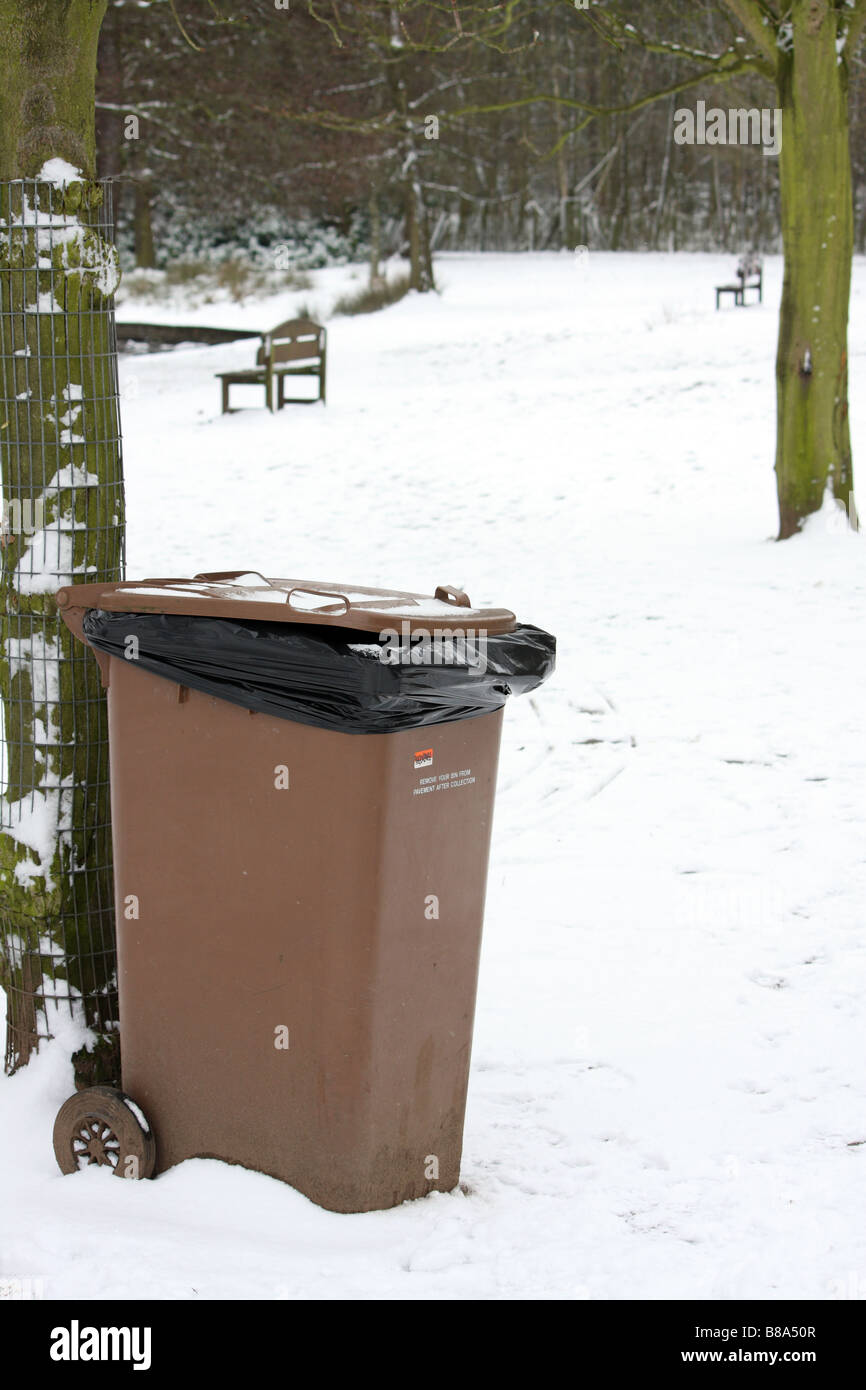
(296, 348)
(750, 276)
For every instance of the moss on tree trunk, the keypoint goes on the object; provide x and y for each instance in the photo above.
(813, 445)
(61, 453)
(48, 75)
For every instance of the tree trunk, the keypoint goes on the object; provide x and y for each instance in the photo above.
(658, 217)
(48, 71)
(145, 255)
(111, 147)
(375, 239)
(813, 447)
(565, 237)
(62, 470)
(420, 261)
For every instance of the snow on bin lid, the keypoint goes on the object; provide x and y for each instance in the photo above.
(246, 594)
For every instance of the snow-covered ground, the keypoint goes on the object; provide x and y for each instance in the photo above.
(668, 1092)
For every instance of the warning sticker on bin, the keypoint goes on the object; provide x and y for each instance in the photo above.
(444, 782)
(424, 758)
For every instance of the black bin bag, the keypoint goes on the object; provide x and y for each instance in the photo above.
(346, 681)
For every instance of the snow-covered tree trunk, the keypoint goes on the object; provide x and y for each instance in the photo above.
(63, 508)
(420, 260)
(408, 155)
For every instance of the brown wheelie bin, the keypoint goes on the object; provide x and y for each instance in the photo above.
(300, 858)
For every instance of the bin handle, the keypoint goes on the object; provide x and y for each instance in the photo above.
(322, 593)
(448, 593)
(234, 574)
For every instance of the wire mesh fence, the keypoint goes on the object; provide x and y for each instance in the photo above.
(63, 522)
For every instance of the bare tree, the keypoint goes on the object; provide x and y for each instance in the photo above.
(805, 49)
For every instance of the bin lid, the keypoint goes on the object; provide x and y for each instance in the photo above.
(248, 595)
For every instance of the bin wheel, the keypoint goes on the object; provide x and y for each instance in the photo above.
(98, 1126)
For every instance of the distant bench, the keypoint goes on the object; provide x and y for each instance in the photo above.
(750, 276)
(295, 348)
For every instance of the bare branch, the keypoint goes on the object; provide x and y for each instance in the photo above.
(759, 23)
(710, 75)
(856, 27)
(220, 17)
(627, 32)
(330, 24)
(179, 23)
(491, 29)
(733, 66)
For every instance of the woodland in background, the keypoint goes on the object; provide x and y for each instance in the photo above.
(267, 134)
